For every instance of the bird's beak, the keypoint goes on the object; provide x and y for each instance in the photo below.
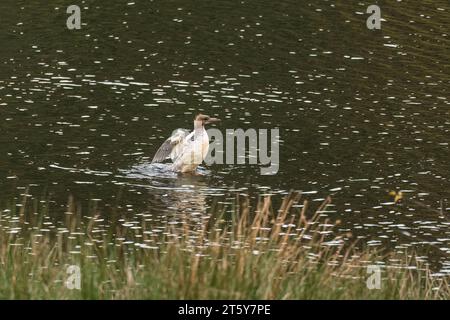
(212, 120)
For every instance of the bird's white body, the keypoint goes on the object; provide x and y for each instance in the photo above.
(186, 150)
(191, 152)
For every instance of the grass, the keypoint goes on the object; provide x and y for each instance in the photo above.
(239, 251)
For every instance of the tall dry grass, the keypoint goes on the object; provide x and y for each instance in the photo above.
(239, 251)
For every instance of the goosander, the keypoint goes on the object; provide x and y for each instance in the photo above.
(186, 150)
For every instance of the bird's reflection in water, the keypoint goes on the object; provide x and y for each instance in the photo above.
(173, 197)
(187, 195)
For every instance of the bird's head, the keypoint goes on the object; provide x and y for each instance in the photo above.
(204, 119)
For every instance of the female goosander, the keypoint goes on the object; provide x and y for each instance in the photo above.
(186, 150)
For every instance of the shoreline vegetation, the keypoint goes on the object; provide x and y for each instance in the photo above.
(239, 251)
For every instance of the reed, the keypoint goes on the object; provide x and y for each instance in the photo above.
(238, 251)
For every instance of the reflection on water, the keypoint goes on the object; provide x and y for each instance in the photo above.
(181, 193)
(360, 113)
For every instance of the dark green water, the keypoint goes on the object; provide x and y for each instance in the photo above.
(360, 112)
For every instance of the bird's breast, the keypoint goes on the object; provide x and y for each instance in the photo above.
(205, 145)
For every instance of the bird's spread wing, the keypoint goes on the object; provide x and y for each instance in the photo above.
(171, 145)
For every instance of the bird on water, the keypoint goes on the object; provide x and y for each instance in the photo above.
(187, 150)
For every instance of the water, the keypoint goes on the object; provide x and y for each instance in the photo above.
(360, 112)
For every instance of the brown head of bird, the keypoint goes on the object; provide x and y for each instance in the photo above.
(202, 119)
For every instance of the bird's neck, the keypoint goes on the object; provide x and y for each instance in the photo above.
(198, 127)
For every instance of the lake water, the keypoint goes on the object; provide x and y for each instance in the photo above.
(361, 112)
